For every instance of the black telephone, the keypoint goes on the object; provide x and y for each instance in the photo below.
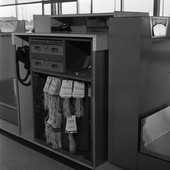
(22, 55)
(65, 27)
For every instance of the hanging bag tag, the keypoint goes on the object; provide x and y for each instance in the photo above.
(66, 89)
(71, 126)
(89, 91)
(66, 93)
(46, 94)
(78, 94)
(78, 90)
(55, 85)
(47, 84)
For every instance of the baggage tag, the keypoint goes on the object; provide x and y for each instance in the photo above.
(55, 85)
(71, 125)
(47, 84)
(66, 89)
(78, 90)
(89, 91)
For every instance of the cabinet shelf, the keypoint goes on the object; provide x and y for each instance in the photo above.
(81, 76)
(65, 153)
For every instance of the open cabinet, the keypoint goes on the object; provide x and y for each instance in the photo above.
(75, 58)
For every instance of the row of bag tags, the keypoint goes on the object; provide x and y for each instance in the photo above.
(55, 87)
(65, 88)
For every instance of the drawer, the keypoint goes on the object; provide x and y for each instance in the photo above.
(56, 67)
(47, 65)
(47, 49)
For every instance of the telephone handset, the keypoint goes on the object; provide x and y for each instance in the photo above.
(22, 55)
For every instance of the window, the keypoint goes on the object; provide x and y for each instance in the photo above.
(33, 7)
(69, 8)
(8, 11)
(24, 1)
(102, 6)
(165, 8)
(26, 12)
(138, 6)
(117, 5)
(22, 12)
(6, 2)
(47, 9)
(84, 6)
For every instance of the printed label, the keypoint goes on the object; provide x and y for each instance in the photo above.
(78, 90)
(89, 92)
(47, 84)
(66, 89)
(71, 126)
(54, 88)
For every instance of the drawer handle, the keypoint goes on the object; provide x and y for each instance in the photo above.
(38, 48)
(37, 63)
(54, 50)
(54, 66)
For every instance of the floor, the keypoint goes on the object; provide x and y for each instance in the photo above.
(16, 156)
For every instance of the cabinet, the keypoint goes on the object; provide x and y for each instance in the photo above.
(138, 64)
(77, 58)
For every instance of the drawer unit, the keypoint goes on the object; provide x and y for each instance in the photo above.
(47, 55)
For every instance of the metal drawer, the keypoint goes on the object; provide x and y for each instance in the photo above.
(47, 49)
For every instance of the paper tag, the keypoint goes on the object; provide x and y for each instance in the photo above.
(55, 85)
(47, 84)
(78, 90)
(66, 89)
(71, 126)
(89, 91)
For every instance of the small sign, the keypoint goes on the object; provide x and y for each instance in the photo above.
(66, 89)
(54, 88)
(47, 84)
(71, 126)
(78, 90)
(89, 91)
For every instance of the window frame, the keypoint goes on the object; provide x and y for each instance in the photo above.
(156, 6)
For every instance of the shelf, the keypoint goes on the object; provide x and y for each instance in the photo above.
(82, 137)
(63, 152)
(82, 76)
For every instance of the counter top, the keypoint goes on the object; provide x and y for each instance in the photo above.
(100, 39)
